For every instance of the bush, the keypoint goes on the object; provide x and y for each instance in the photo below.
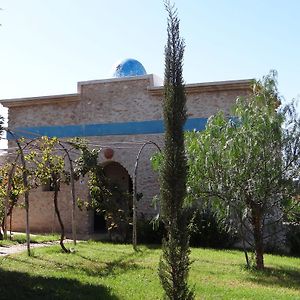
(293, 239)
(209, 230)
(148, 233)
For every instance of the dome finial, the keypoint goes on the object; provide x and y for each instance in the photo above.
(129, 67)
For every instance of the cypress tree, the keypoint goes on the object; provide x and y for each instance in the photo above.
(174, 263)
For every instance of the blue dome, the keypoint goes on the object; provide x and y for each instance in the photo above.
(129, 67)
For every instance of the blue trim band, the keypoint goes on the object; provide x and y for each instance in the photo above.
(127, 128)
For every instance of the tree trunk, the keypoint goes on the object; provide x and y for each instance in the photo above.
(242, 236)
(26, 196)
(74, 225)
(62, 227)
(73, 203)
(9, 213)
(134, 207)
(27, 222)
(7, 198)
(258, 237)
(4, 223)
(10, 223)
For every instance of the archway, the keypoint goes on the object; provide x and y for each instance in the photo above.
(120, 186)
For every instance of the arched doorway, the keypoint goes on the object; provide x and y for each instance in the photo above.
(120, 187)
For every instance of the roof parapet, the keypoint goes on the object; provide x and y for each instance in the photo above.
(216, 86)
(66, 98)
(155, 88)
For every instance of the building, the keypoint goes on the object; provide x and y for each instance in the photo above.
(120, 113)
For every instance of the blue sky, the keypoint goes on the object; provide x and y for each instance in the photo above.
(47, 46)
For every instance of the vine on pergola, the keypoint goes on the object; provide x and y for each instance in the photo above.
(40, 160)
(44, 160)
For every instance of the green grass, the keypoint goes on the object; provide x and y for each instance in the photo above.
(20, 238)
(36, 238)
(109, 271)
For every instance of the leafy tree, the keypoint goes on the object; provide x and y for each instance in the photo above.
(15, 191)
(87, 164)
(174, 264)
(47, 167)
(249, 164)
(26, 190)
(24, 171)
(106, 196)
(2, 208)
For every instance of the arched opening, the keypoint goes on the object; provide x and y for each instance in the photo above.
(120, 186)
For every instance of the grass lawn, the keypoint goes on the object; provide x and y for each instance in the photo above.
(20, 238)
(109, 271)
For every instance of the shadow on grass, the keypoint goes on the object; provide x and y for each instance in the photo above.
(115, 267)
(34, 262)
(94, 268)
(277, 277)
(15, 285)
(151, 246)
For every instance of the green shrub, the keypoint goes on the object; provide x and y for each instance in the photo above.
(209, 230)
(149, 233)
(293, 239)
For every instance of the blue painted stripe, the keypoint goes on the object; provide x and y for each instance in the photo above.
(128, 128)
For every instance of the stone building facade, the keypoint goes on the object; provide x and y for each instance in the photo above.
(118, 113)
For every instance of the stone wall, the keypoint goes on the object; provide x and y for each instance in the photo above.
(42, 217)
(109, 101)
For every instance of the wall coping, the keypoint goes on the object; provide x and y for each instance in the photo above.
(155, 88)
(65, 98)
(216, 86)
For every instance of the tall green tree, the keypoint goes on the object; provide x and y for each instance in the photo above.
(174, 264)
(46, 167)
(248, 165)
